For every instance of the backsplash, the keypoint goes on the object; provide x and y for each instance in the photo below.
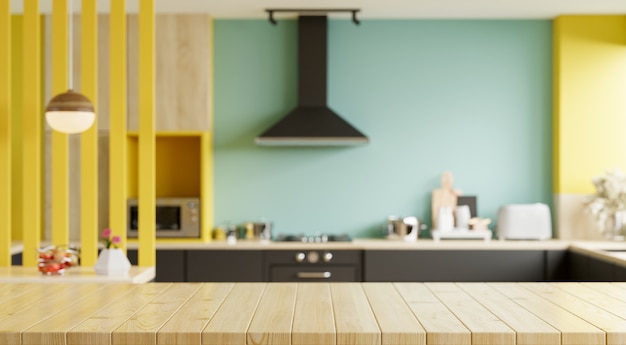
(468, 96)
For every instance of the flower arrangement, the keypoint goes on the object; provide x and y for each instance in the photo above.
(609, 200)
(110, 241)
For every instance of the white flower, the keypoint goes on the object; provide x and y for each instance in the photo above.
(610, 197)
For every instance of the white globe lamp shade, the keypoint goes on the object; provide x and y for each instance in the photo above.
(70, 112)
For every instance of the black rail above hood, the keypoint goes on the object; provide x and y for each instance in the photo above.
(312, 122)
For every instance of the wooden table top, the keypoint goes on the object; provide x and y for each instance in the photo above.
(314, 313)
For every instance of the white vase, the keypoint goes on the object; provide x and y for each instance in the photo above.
(112, 262)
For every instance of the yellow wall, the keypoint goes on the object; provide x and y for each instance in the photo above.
(589, 99)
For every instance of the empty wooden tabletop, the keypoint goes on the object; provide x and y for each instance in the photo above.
(314, 313)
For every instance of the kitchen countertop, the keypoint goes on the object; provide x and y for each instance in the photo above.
(314, 313)
(27, 274)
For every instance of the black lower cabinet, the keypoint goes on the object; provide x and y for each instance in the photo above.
(224, 266)
(587, 268)
(16, 259)
(170, 264)
(556, 268)
(454, 265)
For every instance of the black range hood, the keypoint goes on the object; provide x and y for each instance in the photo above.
(312, 122)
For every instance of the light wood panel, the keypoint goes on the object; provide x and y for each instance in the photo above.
(16, 301)
(529, 328)
(54, 329)
(147, 143)
(66, 297)
(186, 326)
(5, 134)
(60, 158)
(614, 326)
(486, 328)
(397, 323)
(97, 328)
(89, 232)
(142, 327)
(442, 326)
(117, 116)
(574, 330)
(314, 321)
(354, 320)
(609, 289)
(183, 68)
(230, 323)
(273, 318)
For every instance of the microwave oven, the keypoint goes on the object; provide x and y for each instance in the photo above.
(175, 217)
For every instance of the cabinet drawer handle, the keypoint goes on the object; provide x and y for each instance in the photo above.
(314, 275)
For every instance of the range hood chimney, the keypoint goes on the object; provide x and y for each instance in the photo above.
(312, 122)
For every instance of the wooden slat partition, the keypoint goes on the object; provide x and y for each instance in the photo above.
(89, 139)
(397, 323)
(529, 328)
(273, 317)
(614, 326)
(117, 117)
(442, 326)
(32, 138)
(5, 134)
(314, 321)
(574, 330)
(60, 156)
(230, 323)
(147, 141)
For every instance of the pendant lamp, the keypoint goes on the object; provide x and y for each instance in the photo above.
(70, 112)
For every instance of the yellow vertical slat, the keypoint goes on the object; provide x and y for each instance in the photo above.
(60, 158)
(117, 136)
(5, 134)
(147, 216)
(89, 138)
(32, 133)
(206, 205)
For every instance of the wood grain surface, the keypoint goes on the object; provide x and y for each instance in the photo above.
(314, 313)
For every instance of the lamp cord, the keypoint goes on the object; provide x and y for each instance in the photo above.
(70, 82)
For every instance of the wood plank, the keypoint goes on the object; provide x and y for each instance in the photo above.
(65, 297)
(228, 327)
(186, 326)
(610, 289)
(32, 295)
(614, 326)
(97, 329)
(574, 330)
(354, 319)
(55, 328)
(397, 323)
(314, 322)
(529, 328)
(598, 298)
(442, 325)
(273, 318)
(486, 328)
(141, 328)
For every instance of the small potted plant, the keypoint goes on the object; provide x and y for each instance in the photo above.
(112, 260)
(609, 204)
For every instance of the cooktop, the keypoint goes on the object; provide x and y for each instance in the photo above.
(323, 238)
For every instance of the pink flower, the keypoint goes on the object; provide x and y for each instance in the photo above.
(116, 240)
(106, 232)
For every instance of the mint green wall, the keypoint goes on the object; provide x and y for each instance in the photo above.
(471, 97)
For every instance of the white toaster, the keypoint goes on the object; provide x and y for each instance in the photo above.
(524, 222)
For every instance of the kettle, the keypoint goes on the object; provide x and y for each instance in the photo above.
(402, 228)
